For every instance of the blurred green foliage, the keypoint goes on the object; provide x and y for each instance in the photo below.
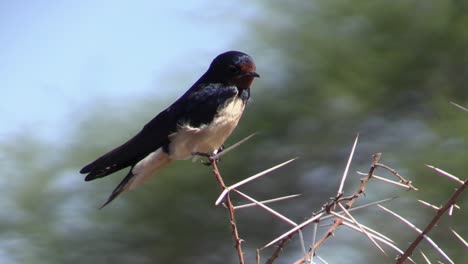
(330, 69)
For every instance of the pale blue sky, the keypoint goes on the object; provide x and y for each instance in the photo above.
(58, 56)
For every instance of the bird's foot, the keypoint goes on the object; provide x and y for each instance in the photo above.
(211, 157)
(219, 150)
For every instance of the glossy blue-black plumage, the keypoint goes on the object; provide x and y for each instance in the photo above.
(196, 107)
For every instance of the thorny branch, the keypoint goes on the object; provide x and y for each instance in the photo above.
(394, 172)
(339, 221)
(213, 160)
(328, 210)
(440, 213)
(279, 248)
(230, 208)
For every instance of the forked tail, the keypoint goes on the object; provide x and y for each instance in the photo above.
(140, 173)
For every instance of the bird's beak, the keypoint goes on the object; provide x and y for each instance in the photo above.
(252, 74)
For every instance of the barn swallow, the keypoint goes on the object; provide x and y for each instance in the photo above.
(198, 122)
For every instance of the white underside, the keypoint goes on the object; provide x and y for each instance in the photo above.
(148, 166)
(188, 140)
(207, 138)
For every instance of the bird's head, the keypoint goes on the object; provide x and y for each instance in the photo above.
(233, 68)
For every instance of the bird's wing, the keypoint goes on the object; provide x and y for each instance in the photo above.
(201, 106)
(196, 107)
(151, 137)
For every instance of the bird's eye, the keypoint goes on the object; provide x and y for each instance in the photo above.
(233, 69)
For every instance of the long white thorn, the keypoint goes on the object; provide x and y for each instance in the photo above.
(275, 213)
(352, 226)
(314, 237)
(361, 207)
(459, 237)
(293, 230)
(345, 173)
(429, 205)
(267, 201)
(227, 150)
(460, 107)
(321, 259)
(446, 174)
(251, 178)
(362, 228)
(375, 233)
(268, 209)
(389, 181)
(412, 226)
(425, 258)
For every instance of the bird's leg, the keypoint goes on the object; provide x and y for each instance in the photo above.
(216, 152)
(211, 157)
(219, 150)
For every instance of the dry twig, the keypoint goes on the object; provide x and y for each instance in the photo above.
(434, 221)
(328, 210)
(339, 221)
(230, 208)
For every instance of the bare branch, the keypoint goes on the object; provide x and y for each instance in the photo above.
(394, 172)
(349, 204)
(229, 206)
(448, 204)
(406, 186)
(423, 235)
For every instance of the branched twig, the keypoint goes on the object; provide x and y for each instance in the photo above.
(344, 202)
(325, 208)
(350, 203)
(440, 212)
(394, 172)
(329, 210)
(213, 158)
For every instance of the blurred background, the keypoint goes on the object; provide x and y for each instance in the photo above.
(79, 78)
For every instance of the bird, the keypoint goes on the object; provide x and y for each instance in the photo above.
(199, 121)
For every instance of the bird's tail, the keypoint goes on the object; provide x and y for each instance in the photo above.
(140, 173)
(120, 188)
